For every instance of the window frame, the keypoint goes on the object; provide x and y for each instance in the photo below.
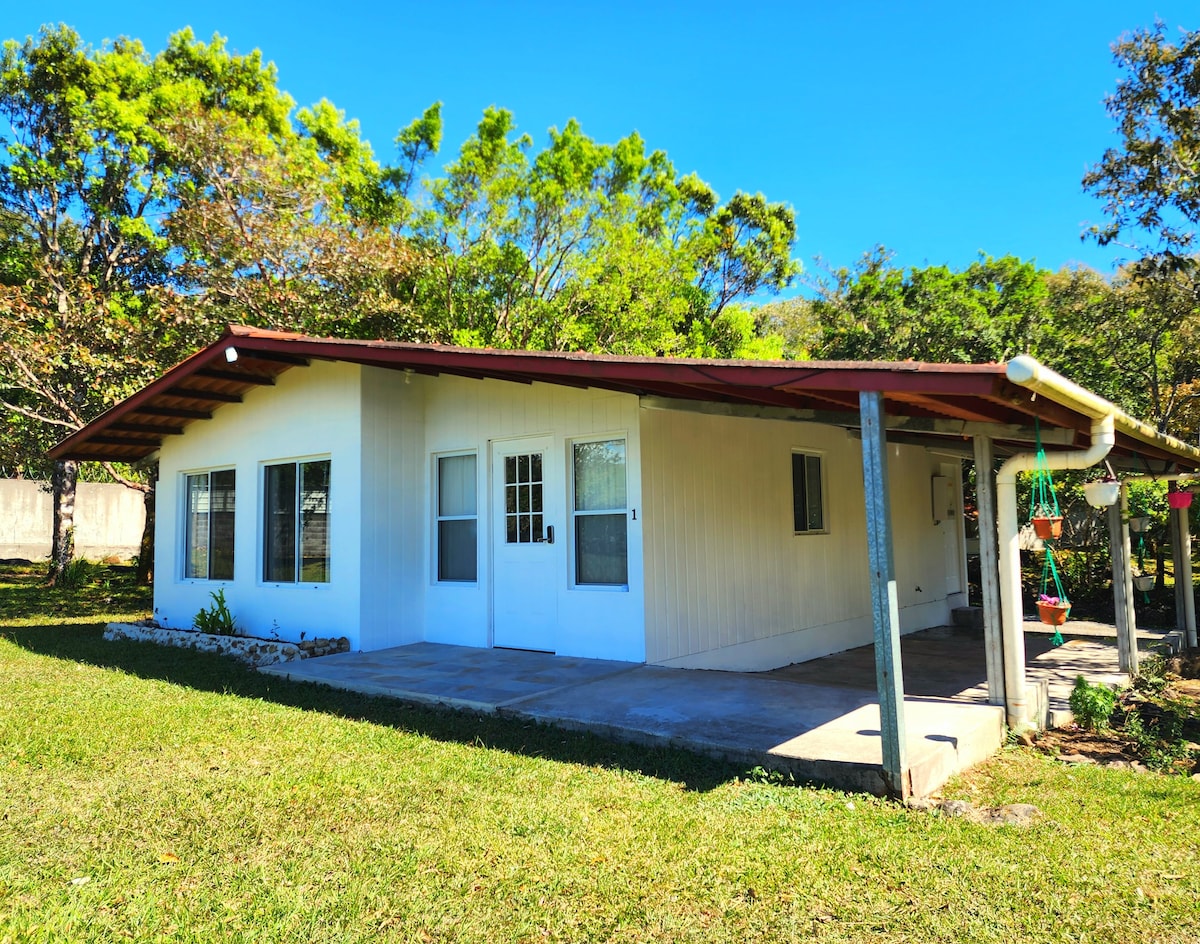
(297, 523)
(823, 485)
(574, 514)
(438, 518)
(186, 529)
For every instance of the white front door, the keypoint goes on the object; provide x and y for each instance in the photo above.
(525, 549)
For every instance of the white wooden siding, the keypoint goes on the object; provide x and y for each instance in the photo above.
(394, 490)
(311, 411)
(465, 414)
(728, 582)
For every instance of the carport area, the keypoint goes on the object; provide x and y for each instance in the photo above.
(818, 720)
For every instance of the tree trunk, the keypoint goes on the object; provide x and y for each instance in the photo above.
(62, 548)
(145, 567)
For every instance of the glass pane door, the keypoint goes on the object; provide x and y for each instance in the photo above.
(523, 498)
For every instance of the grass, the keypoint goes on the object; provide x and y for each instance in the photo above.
(163, 794)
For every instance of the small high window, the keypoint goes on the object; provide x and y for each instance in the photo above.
(808, 495)
(296, 522)
(457, 519)
(601, 533)
(210, 498)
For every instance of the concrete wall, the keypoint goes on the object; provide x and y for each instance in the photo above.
(108, 520)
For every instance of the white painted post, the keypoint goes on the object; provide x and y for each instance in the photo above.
(1176, 529)
(989, 566)
(885, 608)
(1183, 574)
(1122, 581)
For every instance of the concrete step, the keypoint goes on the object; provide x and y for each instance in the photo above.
(970, 617)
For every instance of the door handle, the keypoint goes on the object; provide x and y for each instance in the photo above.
(549, 534)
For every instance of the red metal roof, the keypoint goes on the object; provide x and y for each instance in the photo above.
(939, 402)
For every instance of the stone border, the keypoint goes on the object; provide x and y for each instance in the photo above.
(247, 648)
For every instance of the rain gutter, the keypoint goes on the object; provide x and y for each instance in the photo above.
(1028, 373)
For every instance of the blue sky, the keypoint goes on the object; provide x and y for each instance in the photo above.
(939, 130)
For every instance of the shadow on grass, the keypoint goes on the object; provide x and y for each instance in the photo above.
(212, 673)
(110, 588)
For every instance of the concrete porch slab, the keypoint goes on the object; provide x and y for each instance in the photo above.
(818, 732)
(458, 676)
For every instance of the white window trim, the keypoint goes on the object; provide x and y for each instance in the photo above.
(572, 514)
(435, 504)
(184, 516)
(262, 532)
(817, 454)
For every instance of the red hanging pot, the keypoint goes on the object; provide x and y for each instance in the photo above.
(1179, 499)
(1053, 614)
(1048, 528)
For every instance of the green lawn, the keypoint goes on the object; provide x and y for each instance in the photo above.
(160, 794)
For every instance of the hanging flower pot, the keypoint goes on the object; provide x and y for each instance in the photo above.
(1143, 582)
(1139, 523)
(1053, 611)
(1103, 493)
(1179, 499)
(1047, 527)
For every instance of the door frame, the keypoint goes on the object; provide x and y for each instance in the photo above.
(553, 499)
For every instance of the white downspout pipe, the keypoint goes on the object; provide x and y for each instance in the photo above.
(1027, 372)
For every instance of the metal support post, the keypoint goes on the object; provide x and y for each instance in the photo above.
(885, 608)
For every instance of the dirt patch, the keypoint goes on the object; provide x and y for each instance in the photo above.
(1074, 745)
(1155, 725)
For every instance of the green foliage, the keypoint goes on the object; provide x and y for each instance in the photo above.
(992, 311)
(215, 619)
(76, 575)
(1091, 704)
(1148, 182)
(589, 246)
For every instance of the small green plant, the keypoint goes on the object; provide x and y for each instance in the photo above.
(1152, 675)
(215, 619)
(1092, 705)
(76, 575)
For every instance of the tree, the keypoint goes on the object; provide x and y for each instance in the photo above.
(87, 177)
(1148, 183)
(993, 310)
(587, 245)
(1134, 340)
(286, 229)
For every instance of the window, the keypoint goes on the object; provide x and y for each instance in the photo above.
(808, 502)
(523, 517)
(296, 522)
(457, 519)
(601, 539)
(208, 530)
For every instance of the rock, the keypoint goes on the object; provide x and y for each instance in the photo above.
(1076, 759)
(1014, 814)
(921, 803)
(956, 808)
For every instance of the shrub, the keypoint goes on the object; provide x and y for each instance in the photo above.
(1092, 705)
(76, 575)
(215, 619)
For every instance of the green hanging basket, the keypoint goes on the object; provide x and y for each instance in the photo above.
(1044, 513)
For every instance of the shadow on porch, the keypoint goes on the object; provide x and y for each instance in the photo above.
(818, 720)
